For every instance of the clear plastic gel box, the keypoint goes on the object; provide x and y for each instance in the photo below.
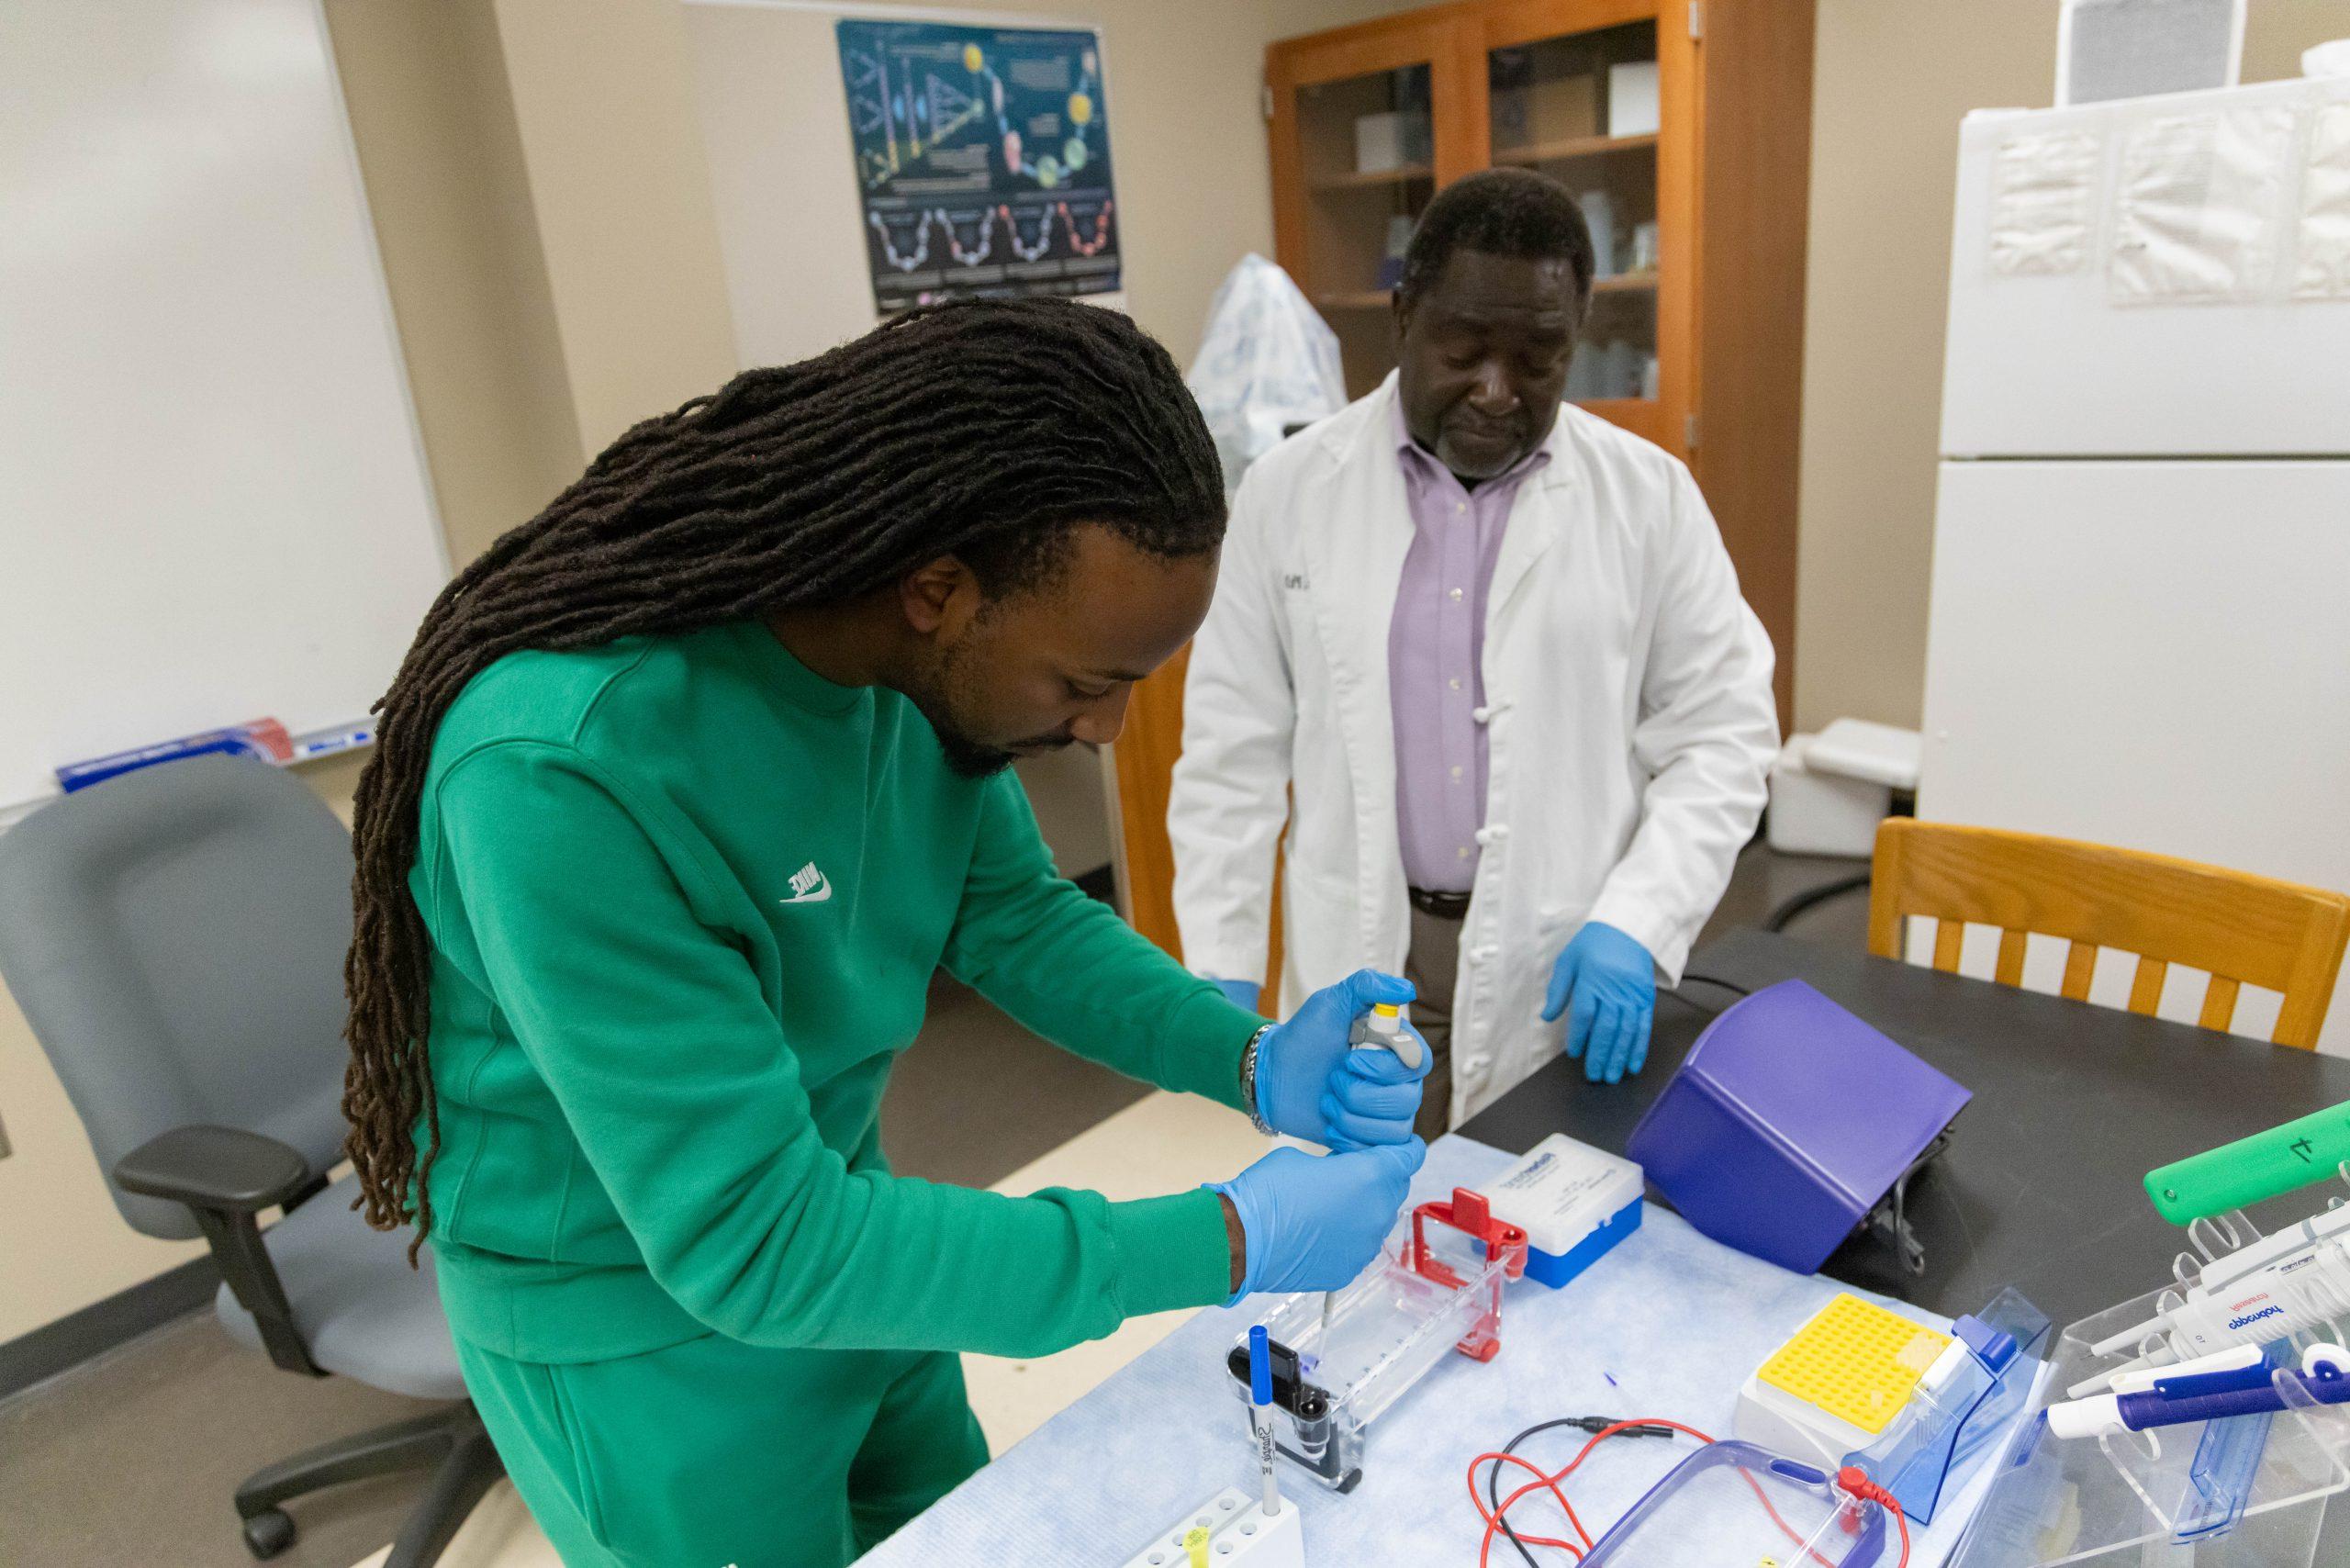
(1732, 1505)
(1383, 1333)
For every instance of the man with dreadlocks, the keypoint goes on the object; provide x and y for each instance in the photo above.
(685, 790)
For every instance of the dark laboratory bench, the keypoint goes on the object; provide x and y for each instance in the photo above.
(2074, 1103)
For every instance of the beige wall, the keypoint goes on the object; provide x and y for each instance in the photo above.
(1186, 133)
(1892, 82)
(604, 100)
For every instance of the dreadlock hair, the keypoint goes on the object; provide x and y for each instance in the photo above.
(986, 431)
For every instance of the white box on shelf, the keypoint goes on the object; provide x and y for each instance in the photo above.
(1632, 99)
(1389, 141)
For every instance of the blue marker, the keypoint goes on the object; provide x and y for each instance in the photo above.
(1260, 1413)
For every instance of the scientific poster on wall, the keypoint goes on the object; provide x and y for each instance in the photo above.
(982, 160)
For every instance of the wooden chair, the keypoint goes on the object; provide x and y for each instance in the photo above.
(2241, 929)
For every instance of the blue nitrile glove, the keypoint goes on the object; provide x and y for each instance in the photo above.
(1242, 993)
(1606, 983)
(1312, 1083)
(1313, 1222)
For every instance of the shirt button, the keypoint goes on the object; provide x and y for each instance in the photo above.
(1456, 771)
(1456, 593)
(1462, 853)
(1461, 505)
(1454, 683)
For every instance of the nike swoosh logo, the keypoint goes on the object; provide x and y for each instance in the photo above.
(817, 895)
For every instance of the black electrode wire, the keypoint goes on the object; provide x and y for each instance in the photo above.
(1595, 1425)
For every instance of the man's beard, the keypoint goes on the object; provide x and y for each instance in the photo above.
(934, 698)
(965, 756)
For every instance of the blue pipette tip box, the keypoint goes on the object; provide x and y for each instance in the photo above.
(1574, 1202)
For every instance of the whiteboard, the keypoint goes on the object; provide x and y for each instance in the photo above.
(214, 504)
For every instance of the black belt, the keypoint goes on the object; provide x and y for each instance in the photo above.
(1444, 906)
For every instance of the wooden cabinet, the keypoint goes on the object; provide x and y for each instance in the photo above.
(1685, 130)
(1369, 121)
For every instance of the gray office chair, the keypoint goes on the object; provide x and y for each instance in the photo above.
(175, 936)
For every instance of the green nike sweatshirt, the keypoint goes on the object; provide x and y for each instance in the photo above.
(686, 899)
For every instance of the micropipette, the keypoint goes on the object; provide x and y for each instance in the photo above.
(2302, 1281)
(1381, 1029)
(1260, 1413)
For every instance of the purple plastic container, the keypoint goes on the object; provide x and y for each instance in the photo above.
(1788, 1120)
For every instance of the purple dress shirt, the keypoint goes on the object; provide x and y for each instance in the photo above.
(1435, 647)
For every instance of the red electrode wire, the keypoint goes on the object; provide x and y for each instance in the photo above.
(1851, 1480)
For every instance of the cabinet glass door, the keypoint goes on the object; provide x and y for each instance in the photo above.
(1583, 108)
(1367, 123)
(1367, 146)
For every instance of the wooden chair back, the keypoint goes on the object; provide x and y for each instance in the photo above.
(2241, 929)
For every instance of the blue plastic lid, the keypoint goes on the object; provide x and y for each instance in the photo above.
(1994, 1349)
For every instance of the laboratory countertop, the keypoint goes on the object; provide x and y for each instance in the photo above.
(1667, 1326)
(2041, 1185)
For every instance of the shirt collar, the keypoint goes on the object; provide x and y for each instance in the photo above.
(1414, 455)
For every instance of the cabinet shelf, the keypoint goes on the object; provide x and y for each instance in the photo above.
(1572, 147)
(1373, 179)
(1381, 299)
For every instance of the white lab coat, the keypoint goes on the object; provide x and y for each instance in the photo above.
(1628, 692)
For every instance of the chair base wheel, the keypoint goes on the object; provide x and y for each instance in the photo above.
(268, 1534)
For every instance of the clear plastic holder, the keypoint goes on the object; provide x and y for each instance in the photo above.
(2245, 1491)
(1336, 1373)
(1946, 1423)
(1732, 1505)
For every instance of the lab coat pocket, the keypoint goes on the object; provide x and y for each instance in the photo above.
(1553, 926)
(1319, 928)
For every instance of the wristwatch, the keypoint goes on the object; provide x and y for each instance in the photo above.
(1249, 1080)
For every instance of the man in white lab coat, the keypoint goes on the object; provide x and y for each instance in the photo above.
(1485, 654)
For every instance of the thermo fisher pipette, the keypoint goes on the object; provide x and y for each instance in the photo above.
(2280, 1285)
(1382, 1029)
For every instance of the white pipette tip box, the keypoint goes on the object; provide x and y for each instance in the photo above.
(1574, 1202)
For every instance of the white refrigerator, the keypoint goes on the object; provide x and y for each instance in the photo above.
(2140, 628)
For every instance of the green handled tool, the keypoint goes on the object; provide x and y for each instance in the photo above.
(2296, 1155)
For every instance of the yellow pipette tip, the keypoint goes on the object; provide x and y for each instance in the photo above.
(1195, 1542)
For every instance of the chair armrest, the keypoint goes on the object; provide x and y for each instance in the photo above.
(214, 1168)
(227, 1176)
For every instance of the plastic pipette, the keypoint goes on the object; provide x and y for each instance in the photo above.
(1260, 1413)
(2302, 1286)
(1382, 1029)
